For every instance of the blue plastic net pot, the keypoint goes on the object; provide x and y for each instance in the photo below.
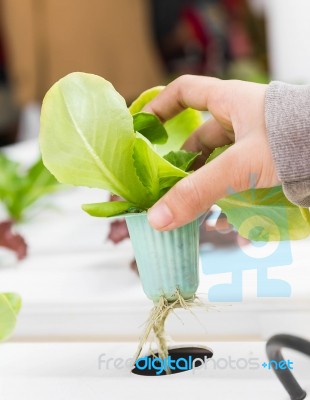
(167, 261)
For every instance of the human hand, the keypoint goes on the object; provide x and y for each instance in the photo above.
(238, 117)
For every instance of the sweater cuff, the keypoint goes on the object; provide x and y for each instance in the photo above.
(287, 110)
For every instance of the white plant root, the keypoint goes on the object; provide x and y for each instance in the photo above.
(157, 319)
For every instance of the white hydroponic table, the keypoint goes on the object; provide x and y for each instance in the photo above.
(65, 371)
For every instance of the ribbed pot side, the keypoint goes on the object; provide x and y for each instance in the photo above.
(167, 261)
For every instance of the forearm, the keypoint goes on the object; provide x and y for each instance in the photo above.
(287, 110)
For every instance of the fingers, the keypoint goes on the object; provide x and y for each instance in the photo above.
(196, 193)
(200, 93)
(208, 137)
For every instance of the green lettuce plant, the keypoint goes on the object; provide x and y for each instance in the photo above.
(89, 137)
(20, 188)
(10, 304)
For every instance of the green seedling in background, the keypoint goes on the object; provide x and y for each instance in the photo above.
(20, 189)
(10, 304)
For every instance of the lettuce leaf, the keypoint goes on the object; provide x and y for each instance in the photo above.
(10, 304)
(265, 215)
(150, 127)
(107, 209)
(19, 188)
(178, 128)
(216, 152)
(88, 138)
(305, 212)
(181, 159)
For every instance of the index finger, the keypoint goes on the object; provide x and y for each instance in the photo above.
(198, 92)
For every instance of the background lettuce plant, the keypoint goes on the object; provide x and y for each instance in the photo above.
(20, 188)
(10, 304)
(89, 137)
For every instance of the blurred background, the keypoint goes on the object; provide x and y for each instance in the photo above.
(140, 44)
(74, 281)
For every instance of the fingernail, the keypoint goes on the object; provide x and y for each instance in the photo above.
(160, 216)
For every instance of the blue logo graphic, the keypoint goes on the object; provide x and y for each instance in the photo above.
(282, 364)
(160, 365)
(258, 256)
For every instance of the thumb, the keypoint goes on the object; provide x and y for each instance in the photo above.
(195, 194)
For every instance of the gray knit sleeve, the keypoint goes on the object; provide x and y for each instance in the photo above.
(287, 109)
